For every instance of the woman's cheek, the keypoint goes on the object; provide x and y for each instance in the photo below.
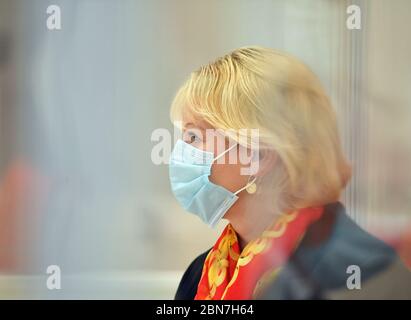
(218, 174)
(227, 176)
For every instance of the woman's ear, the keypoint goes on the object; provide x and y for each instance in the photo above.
(267, 160)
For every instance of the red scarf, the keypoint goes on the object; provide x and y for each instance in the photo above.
(229, 274)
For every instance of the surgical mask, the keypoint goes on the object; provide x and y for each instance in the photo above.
(189, 170)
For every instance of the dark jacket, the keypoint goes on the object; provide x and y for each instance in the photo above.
(320, 267)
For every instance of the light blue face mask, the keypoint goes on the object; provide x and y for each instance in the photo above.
(189, 169)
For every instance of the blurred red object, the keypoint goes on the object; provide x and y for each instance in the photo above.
(404, 248)
(21, 191)
(401, 242)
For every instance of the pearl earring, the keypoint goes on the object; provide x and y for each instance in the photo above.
(251, 186)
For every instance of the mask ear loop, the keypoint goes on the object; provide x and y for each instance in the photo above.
(224, 152)
(251, 187)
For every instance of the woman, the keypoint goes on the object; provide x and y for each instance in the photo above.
(288, 236)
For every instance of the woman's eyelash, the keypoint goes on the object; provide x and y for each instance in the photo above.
(193, 135)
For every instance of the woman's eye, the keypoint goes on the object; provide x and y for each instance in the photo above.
(193, 137)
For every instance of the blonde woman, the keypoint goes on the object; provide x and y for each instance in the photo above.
(287, 235)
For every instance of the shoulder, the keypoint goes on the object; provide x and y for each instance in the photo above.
(331, 248)
(187, 288)
(350, 245)
(345, 243)
(354, 252)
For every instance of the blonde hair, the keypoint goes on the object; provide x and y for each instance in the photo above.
(255, 87)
